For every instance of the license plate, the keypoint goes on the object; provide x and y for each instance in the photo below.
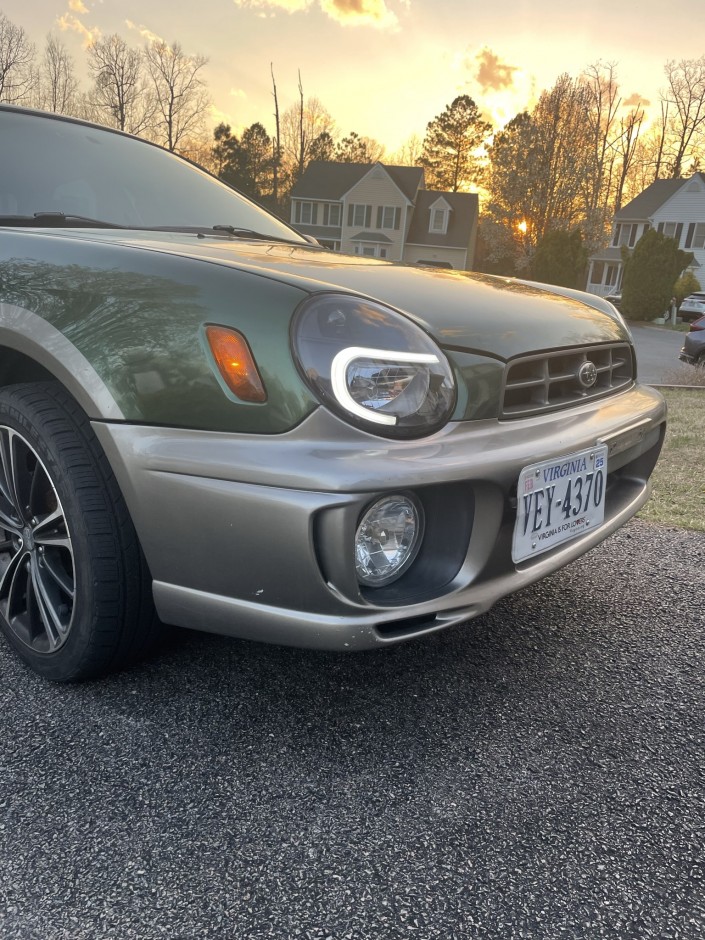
(558, 500)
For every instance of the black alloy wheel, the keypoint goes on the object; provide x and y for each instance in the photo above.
(37, 584)
(75, 591)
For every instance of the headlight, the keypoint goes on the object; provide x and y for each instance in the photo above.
(373, 366)
(387, 540)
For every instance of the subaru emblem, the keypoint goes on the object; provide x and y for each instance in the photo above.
(587, 374)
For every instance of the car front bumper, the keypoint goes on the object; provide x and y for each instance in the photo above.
(253, 535)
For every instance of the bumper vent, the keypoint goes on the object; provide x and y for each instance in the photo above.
(550, 381)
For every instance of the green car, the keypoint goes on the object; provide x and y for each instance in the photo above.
(207, 420)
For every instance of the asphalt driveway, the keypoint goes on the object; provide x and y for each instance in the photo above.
(539, 773)
(657, 352)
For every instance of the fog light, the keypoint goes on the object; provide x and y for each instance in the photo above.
(387, 540)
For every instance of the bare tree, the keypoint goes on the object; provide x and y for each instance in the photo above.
(684, 113)
(16, 58)
(536, 178)
(659, 135)
(180, 96)
(57, 85)
(602, 91)
(563, 150)
(515, 187)
(409, 153)
(119, 93)
(626, 146)
(302, 126)
(276, 143)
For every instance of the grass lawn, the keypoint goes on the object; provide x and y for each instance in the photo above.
(678, 497)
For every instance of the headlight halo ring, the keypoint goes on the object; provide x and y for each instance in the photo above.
(373, 365)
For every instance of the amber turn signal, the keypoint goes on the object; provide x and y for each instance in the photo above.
(236, 363)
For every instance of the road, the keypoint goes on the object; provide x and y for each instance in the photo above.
(538, 773)
(657, 353)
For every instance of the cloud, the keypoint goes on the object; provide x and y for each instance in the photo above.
(491, 74)
(89, 35)
(144, 32)
(636, 99)
(346, 12)
(360, 13)
(78, 6)
(288, 6)
(237, 93)
(222, 117)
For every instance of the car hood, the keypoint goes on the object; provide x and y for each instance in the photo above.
(473, 312)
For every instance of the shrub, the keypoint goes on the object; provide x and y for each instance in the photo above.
(650, 274)
(686, 284)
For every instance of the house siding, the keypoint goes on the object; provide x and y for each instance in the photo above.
(375, 189)
(685, 207)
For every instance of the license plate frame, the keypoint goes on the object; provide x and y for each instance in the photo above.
(543, 520)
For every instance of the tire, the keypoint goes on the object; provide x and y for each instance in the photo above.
(75, 591)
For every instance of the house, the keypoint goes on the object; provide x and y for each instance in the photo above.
(385, 212)
(674, 207)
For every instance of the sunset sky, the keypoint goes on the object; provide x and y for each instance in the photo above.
(384, 68)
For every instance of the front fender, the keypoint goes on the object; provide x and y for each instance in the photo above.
(123, 331)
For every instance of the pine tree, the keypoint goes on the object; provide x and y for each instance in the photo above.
(452, 147)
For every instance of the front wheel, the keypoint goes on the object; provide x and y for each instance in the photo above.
(75, 592)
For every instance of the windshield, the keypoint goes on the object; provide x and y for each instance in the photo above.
(49, 165)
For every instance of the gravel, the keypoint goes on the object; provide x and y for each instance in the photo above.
(539, 773)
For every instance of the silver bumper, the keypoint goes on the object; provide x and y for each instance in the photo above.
(252, 535)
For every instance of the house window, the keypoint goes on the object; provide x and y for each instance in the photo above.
(625, 235)
(603, 274)
(696, 235)
(598, 272)
(439, 221)
(388, 217)
(306, 213)
(370, 249)
(331, 213)
(671, 230)
(360, 216)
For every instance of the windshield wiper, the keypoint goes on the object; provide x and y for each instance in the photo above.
(58, 219)
(63, 220)
(257, 236)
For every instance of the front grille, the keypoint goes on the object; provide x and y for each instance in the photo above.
(549, 381)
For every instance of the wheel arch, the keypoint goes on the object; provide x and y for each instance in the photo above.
(32, 350)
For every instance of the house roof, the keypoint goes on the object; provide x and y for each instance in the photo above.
(324, 179)
(462, 219)
(612, 253)
(319, 231)
(649, 201)
(371, 237)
